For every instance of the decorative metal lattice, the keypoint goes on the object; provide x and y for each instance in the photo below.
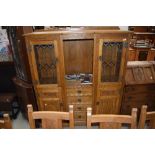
(46, 63)
(111, 60)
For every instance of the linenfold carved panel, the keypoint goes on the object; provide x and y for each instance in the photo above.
(108, 105)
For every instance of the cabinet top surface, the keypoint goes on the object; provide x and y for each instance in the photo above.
(93, 31)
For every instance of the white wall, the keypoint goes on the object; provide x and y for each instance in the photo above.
(123, 27)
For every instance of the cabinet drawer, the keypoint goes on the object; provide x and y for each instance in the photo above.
(79, 100)
(81, 107)
(79, 91)
(79, 116)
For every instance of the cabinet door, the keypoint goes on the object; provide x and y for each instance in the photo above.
(46, 74)
(111, 65)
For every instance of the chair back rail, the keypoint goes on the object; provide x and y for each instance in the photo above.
(111, 120)
(50, 119)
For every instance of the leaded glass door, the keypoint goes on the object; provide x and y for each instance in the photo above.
(46, 74)
(111, 65)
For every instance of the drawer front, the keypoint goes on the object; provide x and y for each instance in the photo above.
(80, 116)
(79, 92)
(138, 97)
(139, 89)
(81, 107)
(79, 100)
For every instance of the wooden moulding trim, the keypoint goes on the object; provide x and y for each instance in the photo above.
(47, 86)
(79, 32)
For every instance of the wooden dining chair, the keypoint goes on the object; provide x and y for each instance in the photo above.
(147, 119)
(112, 121)
(5, 122)
(50, 119)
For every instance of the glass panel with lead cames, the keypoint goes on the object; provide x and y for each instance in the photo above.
(46, 63)
(111, 61)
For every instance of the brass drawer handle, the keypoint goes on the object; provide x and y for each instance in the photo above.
(45, 107)
(79, 100)
(79, 91)
(79, 108)
(79, 116)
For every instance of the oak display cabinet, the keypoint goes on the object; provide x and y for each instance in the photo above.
(85, 68)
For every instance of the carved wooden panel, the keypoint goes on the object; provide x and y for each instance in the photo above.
(108, 105)
(129, 77)
(50, 98)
